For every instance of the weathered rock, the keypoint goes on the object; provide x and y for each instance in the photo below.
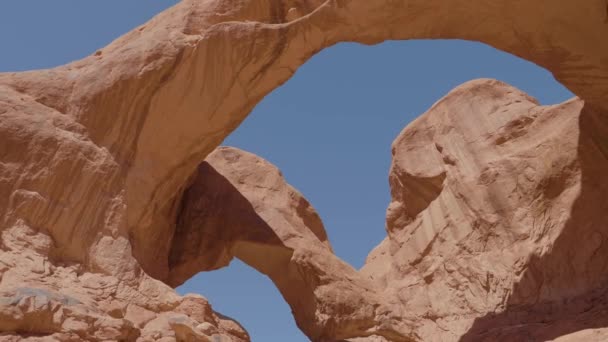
(95, 156)
(41, 312)
(499, 214)
(239, 205)
(485, 187)
(65, 302)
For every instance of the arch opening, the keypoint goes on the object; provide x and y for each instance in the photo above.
(333, 115)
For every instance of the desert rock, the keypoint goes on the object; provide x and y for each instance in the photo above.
(97, 156)
(239, 205)
(495, 230)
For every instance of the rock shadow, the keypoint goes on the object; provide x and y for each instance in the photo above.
(565, 290)
(216, 223)
(213, 218)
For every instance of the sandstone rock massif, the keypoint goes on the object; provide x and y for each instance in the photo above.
(498, 216)
(110, 195)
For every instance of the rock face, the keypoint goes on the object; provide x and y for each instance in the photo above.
(496, 229)
(499, 205)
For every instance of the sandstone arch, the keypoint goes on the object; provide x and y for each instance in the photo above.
(239, 205)
(92, 166)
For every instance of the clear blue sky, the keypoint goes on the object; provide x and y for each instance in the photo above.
(329, 129)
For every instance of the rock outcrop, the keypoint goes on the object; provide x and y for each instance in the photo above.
(493, 197)
(97, 157)
(499, 212)
(44, 299)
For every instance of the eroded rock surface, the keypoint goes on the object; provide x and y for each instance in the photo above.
(95, 157)
(497, 226)
(239, 205)
(44, 299)
(493, 197)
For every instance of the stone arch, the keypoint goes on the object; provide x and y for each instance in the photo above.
(280, 48)
(165, 77)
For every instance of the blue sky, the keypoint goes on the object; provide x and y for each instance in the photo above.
(329, 128)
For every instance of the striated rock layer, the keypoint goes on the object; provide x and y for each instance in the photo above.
(497, 224)
(498, 220)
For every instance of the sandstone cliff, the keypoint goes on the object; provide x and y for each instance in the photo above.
(497, 224)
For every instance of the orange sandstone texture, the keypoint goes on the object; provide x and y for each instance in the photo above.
(498, 221)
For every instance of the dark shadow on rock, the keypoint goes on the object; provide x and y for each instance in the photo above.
(216, 223)
(212, 218)
(564, 290)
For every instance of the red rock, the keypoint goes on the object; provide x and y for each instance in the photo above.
(498, 211)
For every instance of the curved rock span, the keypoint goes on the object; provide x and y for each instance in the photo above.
(496, 230)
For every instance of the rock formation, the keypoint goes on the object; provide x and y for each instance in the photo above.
(239, 205)
(498, 216)
(499, 206)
